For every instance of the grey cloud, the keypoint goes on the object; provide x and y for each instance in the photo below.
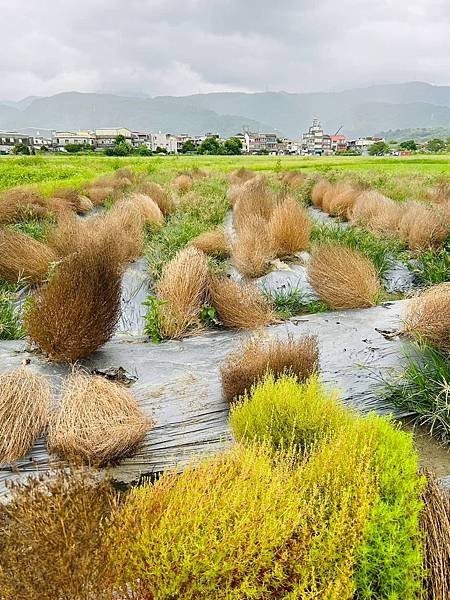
(180, 47)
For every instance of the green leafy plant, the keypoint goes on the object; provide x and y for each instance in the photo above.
(152, 318)
(208, 316)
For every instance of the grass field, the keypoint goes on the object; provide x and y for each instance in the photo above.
(51, 172)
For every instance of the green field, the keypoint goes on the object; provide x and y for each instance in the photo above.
(50, 172)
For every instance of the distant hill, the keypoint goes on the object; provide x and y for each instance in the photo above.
(361, 111)
(75, 110)
(419, 135)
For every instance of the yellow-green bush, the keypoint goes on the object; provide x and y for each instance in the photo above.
(246, 524)
(388, 561)
(288, 413)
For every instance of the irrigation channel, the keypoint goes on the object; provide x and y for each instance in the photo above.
(177, 383)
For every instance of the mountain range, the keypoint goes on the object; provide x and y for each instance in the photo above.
(360, 111)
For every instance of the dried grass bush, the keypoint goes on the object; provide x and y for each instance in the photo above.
(58, 206)
(24, 408)
(435, 525)
(319, 189)
(440, 193)
(215, 242)
(377, 213)
(85, 205)
(234, 193)
(70, 235)
(125, 173)
(428, 316)
(183, 289)
(293, 179)
(23, 257)
(387, 220)
(239, 306)
(18, 204)
(149, 210)
(123, 228)
(99, 194)
(74, 200)
(159, 195)
(77, 310)
(249, 364)
(198, 174)
(422, 226)
(52, 537)
(289, 228)
(239, 176)
(98, 421)
(255, 199)
(342, 202)
(342, 277)
(182, 184)
(252, 247)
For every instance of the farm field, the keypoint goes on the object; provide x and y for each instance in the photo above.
(253, 341)
(49, 172)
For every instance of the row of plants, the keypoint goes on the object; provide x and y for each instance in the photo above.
(395, 227)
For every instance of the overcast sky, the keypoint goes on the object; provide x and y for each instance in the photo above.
(180, 47)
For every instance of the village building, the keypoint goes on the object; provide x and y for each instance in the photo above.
(10, 139)
(63, 138)
(257, 143)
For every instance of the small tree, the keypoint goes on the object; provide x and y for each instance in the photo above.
(21, 149)
(435, 145)
(188, 146)
(143, 151)
(233, 146)
(160, 150)
(211, 146)
(379, 148)
(409, 145)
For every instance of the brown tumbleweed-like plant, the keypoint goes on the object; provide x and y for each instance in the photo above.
(76, 311)
(239, 306)
(23, 257)
(98, 421)
(342, 277)
(24, 408)
(289, 228)
(251, 361)
(183, 289)
(428, 316)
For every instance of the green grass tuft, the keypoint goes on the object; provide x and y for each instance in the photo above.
(424, 388)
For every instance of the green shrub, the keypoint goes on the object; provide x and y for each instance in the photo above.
(389, 564)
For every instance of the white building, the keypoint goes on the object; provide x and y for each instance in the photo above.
(62, 138)
(315, 142)
(9, 139)
(255, 143)
(165, 141)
